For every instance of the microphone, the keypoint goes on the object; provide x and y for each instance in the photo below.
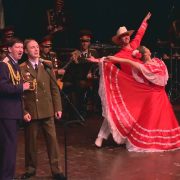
(46, 65)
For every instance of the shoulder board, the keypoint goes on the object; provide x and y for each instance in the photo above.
(6, 59)
(23, 64)
(76, 52)
(92, 49)
(47, 61)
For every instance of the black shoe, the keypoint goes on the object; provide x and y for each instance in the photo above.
(27, 175)
(59, 176)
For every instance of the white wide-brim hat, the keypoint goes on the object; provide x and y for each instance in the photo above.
(122, 31)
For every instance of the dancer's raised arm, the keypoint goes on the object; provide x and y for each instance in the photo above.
(124, 60)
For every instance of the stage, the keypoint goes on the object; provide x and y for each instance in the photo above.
(111, 162)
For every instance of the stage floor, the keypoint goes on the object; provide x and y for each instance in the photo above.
(111, 162)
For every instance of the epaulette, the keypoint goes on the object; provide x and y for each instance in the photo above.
(76, 52)
(23, 64)
(6, 59)
(92, 49)
(47, 61)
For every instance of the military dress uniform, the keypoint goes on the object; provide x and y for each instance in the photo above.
(11, 90)
(41, 103)
(76, 81)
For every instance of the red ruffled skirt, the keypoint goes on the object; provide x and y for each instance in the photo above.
(138, 114)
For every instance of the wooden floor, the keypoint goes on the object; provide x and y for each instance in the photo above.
(111, 162)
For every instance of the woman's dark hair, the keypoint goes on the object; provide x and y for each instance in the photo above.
(141, 49)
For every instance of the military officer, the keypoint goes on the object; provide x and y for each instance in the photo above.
(11, 90)
(41, 104)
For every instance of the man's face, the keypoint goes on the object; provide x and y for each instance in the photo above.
(46, 47)
(32, 50)
(8, 35)
(16, 51)
(3, 52)
(85, 44)
(125, 40)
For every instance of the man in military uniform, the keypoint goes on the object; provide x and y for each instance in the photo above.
(41, 104)
(79, 76)
(47, 54)
(3, 52)
(11, 90)
(6, 35)
(46, 51)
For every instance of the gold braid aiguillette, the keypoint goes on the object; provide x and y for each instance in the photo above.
(15, 77)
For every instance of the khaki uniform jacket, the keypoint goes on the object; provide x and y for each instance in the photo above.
(44, 100)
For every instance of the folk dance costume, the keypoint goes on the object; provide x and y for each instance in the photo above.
(136, 108)
(134, 44)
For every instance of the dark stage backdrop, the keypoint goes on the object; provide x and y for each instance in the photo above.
(102, 17)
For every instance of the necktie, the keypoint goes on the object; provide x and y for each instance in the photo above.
(85, 55)
(36, 67)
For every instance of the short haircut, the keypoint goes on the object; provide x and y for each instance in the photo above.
(27, 41)
(13, 41)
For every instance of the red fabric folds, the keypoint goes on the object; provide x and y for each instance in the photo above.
(139, 112)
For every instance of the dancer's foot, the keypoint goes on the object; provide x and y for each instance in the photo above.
(99, 141)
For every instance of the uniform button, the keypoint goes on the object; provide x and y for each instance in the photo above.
(37, 100)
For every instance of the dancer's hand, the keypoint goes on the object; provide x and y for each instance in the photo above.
(147, 17)
(112, 58)
(93, 59)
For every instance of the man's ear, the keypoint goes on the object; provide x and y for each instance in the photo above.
(25, 50)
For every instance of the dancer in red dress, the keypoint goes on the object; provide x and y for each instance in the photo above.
(136, 107)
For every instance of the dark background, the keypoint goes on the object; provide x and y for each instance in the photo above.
(102, 17)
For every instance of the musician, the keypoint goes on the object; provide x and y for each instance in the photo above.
(46, 50)
(80, 57)
(174, 31)
(77, 76)
(41, 105)
(6, 35)
(3, 52)
(56, 17)
(47, 54)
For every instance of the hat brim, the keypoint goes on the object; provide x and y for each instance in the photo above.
(115, 38)
(85, 40)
